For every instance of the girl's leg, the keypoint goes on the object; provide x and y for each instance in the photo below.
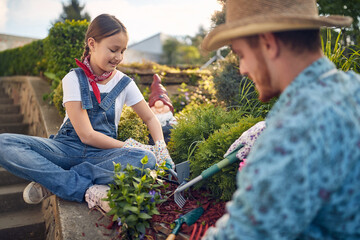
(44, 161)
(99, 163)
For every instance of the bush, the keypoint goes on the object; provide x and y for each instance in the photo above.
(195, 124)
(131, 125)
(223, 184)
(64, 43)
(25, 60)
(238, 91)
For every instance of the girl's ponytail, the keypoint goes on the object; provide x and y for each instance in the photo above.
(86, 52)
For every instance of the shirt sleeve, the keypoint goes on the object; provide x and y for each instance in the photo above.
(133, 94)
(290, 173)
(71, 88)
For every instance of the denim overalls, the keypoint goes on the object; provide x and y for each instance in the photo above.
(63, 164)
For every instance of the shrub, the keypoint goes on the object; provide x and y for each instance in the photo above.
(195, 124)
(131, 125)
(133, 198)
(25, 60)
(238, 91)
(211, 151)
(64, 43)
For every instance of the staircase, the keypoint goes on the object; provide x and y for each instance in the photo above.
(18, 220)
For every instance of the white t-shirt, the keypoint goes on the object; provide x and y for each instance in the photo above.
(129, 96)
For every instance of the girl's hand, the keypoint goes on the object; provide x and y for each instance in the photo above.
(131, 143)
(162, 154)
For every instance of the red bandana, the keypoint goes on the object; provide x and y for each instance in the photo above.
(93, 79)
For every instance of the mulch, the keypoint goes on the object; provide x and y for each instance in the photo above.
(170, 211)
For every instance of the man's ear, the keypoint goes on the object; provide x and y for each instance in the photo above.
(270, 45)
(91, 43)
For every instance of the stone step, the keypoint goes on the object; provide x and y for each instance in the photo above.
(6, 178)
(11, 118)
(5, 100)
(22, 128)
(11, 199)
(9, 108)
(27, 224)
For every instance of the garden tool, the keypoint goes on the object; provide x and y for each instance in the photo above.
(182, 172)
(230, 159)
(189, 218)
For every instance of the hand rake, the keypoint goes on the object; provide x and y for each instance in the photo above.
(230, 159)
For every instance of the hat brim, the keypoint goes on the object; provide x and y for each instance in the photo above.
(223, 34)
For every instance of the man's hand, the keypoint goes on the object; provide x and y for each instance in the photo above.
(247, 139)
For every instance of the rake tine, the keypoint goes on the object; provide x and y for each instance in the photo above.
(179, 199)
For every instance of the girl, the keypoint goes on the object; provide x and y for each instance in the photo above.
(78, 161)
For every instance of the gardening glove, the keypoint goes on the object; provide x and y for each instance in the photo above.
(131, 143)
(247, 139)
(162, 154)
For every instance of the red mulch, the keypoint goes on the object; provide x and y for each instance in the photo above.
(170, 211)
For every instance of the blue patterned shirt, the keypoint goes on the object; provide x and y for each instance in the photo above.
(302, 177)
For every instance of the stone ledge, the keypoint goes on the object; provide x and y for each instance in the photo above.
(64, 220)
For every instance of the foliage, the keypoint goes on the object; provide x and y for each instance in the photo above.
(131, 125)
(343, 8)
(64, 43)
(236, 90)
(195, 124)
(57, 99)
(133, 198)
(218, 17)
(203, 93)
(212, 150)
(25, 60)
(344, 58)
(72, 11)
(177, 53)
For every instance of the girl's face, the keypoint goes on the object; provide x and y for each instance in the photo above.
(107, 53)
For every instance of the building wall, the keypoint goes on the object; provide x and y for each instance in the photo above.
(10, 41)
(150, 49)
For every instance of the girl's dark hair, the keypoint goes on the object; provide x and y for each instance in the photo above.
(101, 27)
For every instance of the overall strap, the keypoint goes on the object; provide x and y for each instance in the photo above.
(86, 101)
(114, 93)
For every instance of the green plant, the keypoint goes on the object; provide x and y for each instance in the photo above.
(223, 184)
(26, 60)
(344, 58)
(196, 123)
(131, 125)
(134, 196)
(64, 43)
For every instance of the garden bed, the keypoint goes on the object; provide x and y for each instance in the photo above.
(169, 211)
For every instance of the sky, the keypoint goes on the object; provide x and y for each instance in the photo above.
(142, 18)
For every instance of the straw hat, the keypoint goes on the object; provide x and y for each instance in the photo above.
(251, 17)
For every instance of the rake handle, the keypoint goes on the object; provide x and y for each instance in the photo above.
(230, 159)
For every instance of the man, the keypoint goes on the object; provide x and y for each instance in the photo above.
(302, 176)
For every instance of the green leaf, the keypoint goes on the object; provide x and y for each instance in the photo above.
(130, 208)
(141, 227)
(144, 216)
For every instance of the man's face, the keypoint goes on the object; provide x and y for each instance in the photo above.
(252, 64)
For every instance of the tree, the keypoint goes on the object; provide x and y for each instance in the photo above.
(72, 11)
(347, 8)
